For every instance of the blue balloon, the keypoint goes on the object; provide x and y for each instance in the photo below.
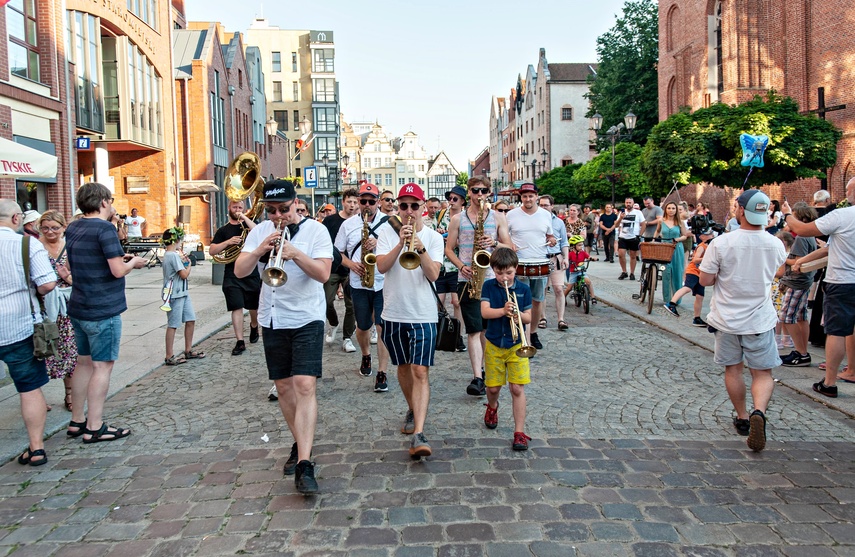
(753, 147)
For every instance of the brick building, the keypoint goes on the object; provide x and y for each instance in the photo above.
(728, 51)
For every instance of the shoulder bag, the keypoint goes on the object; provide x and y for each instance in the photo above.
(46, 333)
(447, 327)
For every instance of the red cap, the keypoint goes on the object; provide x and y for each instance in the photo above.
(369, 189)
(412, 190)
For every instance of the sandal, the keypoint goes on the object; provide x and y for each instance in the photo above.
(193, 355)
(562, 325)
(174, 360)
(98, 435)
(68, 399)
(29, 458)
(542, 323)
(81, 427)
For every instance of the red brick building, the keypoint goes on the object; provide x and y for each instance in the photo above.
(481, 165)
(728, 51)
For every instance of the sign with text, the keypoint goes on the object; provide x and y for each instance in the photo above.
(310, 177)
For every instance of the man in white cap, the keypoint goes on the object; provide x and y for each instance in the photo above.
(742, 266)
(31, 219)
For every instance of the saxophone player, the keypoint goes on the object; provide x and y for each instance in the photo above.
(240, 293)
(477, 228)
(356, 238)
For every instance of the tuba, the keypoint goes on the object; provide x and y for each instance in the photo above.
(409, 259)
(243, 178)
(274, 275)
(480, 258)
(369, 260)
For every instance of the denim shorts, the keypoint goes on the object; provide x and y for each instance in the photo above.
(182, 312)
(26, 371)
(290, 352)
(98, 339)
(367, 307)
(537, 285)
(410, 343)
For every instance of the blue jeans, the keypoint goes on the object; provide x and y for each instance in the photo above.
(26, 371)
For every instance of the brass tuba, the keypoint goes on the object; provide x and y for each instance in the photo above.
(369, 260)
(409, 259)
(243, 178)
(480, 258)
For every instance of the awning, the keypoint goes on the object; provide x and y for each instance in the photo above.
(197, 187)
(19, 161)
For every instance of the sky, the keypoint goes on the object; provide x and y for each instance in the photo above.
(431, 67)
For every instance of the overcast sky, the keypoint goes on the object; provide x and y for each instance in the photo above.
(432, 67)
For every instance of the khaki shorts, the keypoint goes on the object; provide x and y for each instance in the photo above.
(758, 351)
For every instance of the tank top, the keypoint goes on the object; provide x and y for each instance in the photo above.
(466, 238)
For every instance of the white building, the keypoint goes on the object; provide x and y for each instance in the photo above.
(441, 176)
(378, 159)
(412, 161)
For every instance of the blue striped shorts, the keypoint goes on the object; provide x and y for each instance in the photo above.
(410, 343)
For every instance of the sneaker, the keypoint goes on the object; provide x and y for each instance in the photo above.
(787, 341)
(380, 385)
(491, 416)
(240, 348)
(742, 426)
(476, 387)
(461, 347)
(779, 344)
(757, 433)
(672, 309)
(622, 276)
(419, 445)
(409, 423)
(304, 477)
(373, 335)
(821, 388)
(348, 346)
(273, 394)
(698, 322)
(291, 463)
(632, 276)
(536, 341)
(330, 338)
(365, 367)
(520, 441)
(794, 359)
(253, 335)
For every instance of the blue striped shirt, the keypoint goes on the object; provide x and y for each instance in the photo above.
(97, 294)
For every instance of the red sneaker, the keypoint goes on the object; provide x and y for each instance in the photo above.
(521, 441)
(491, 416)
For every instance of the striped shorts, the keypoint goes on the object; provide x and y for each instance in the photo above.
(410, 343)
(794, 306)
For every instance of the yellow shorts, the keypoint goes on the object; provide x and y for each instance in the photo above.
(502, 365)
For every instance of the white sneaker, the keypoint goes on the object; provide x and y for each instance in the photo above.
(273, 394)
(373, 335)
(348, 346)
(330, 338)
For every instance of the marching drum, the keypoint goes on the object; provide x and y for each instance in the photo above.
(534, 268)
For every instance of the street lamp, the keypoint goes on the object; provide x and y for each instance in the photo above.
(523, 155)
(533, 167)
(543, 157)
(614, 135)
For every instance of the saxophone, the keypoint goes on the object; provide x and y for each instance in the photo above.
(369, 260)
(480, 258)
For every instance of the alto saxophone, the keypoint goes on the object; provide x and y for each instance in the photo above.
(369, 260)
(480, 258)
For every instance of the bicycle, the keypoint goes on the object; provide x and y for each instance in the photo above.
(654, 257)
(580, 292)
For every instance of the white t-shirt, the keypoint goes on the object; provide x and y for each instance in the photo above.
(407, 296)
(745, 262)
(630, 225)
(134, 225)
(839, 226)
(350, 237)
(301, 299)
(528, 232)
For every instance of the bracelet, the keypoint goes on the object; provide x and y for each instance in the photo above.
(421, 251)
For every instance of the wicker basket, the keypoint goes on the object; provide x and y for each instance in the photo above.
(657, 252)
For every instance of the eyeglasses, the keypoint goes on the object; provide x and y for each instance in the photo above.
(454, 199)
(479, 190)
(368, 202)
(280, 210)
(404, 206)
(389, 199)
(50, 228)
(302, 210)
(503, 210)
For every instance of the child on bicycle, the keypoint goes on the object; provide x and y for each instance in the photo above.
(501, 362)
(691, 282)
(577, 256)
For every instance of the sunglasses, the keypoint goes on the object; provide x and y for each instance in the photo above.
(454, 199)
(302, 210)
(479, 190)
(368, 202)
(280, 210)
(503, 210)
(389, 199)
(50, 228)
(404, 206)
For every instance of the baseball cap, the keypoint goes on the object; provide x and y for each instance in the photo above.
(528, 187)
(756, 205)
(456, 190)
(369, 189)
(31, 216)
(329, 207)
(411, 190)
(279, 191)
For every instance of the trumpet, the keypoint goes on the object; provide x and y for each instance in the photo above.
(274, 275)
(517, 331)
(166, 296)
(409, 259)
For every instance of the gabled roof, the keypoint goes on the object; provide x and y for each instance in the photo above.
(187, 45)
(571, 71)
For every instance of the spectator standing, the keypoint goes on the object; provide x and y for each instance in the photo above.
(574, 225)
(608, 222)
(176, 270)
(31, 223)
(339, 278)
(652, 217)
(692, 283)
(558, 257)
(629, 238)
(590, 220)
(136, 226)
(672, 229)
(776, 218)
(449, 274)
(823, 205)
(432, 207)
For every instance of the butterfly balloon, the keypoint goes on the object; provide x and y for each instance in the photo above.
(753, 147)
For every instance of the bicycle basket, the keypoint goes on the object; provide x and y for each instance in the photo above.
(657, 252)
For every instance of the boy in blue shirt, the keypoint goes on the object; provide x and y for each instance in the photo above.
(501, 362)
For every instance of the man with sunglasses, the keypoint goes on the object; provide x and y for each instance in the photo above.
(340, 277)
(448, 274)
(387, 203)
(409, 309)
(461, 246)
(367, 302)
(292, 317)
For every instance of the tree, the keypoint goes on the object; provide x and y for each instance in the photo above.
(592, 182)
(558, 183)
(704, 146)
(462, 178)
(626, 80)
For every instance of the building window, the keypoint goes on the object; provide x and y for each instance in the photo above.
(377, 162)
(281, 117)
(387, 161)
(378, 179)
(277, 61)
(323, 90)
(21, 25)
(85, 34)
(296, 120)
(421, 181)
(294, 62)
(325, 120)
(401, 181)
(296, 90)
(277, 91)
(325, 146)
(719, 70)
(388, 181)
(146, 10)
(366, 162)
(323, 60)
(218, 121)
(240, 80)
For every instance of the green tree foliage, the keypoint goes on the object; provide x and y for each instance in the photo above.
(627, 57)
(704, 146)
(462, 178)
(592, 182)
(558, 183)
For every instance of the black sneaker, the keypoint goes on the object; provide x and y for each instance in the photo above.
(698, 322)
(672, 309)
(461, 347)
(240, 348)
(253, 335)
(476, 387)
(536, 341)
(742, 426)
(794, 359)
(632, 276)
(821, 388)
(304, 477)
(291, 463)
(365, 367)
(757, 433)
(409, 423)
(380, 385)
(622, 276)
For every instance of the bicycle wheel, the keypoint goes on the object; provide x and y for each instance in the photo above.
(586, 298)
(577, 296)
(642, 292)
(652, 273)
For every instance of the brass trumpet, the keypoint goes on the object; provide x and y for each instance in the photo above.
(517, 331)
(274, 275)
(409, 259)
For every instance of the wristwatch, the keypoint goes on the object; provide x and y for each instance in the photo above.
(421, 251)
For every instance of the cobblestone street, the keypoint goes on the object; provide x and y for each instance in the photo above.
(633, 453)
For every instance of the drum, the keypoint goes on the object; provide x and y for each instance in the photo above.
(534, 268)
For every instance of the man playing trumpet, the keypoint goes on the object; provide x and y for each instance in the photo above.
(292, 315)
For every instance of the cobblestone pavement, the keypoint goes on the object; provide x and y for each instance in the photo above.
(633, 453)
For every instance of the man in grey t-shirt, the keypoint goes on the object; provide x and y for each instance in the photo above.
(652, 217)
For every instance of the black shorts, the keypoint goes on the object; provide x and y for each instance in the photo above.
(629, 243)
(447, 282)
(694, 282)
(838, 309)
(290, 352)
(242, 293)
(471, 310)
